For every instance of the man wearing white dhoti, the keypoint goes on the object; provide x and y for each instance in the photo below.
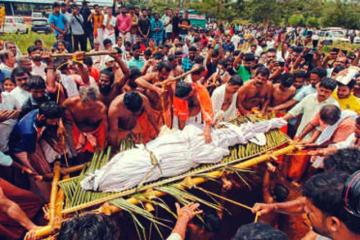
(175, 154)
(224, 99)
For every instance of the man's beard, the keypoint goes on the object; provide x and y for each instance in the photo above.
(105, 89)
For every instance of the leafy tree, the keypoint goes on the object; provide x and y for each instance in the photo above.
(297, 20)
(312, 22)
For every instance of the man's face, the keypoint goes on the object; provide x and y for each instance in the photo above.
(33, 53)
(260, 80)
(119, 41)
(104, 84)
(294, 56)
(228, 39)
(144, 13)
(22, 81)
(110, 63)
(192, 55)
(137, 11)
(108, 47)
(340, 61)
(12, 59)
(156, 16)
(314, 79)
(177, 12)
(123, 10)
(52, 122)
(131, 11)
(270, 57)
(56, 10)
(37, 94)
(253, 49)
(136, 54)
(149, 13)
(323, 94)
(248, 64)
(357, 84)
(39, 45)
(316, 218)
(232, 88)
(97, 46)
(26, 64)
(343, 92)
(186, 15)
(89, 105)
(298, 82)
(97, 10)
(12, 47)
(75, 11)
(163, 74)
(305, 68)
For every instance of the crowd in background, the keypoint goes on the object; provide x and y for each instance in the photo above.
(55, 107)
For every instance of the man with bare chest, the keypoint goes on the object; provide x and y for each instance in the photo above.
(89, 128)
(224, 99)
(192, 104)
(160, 97)
(255, 94)
(126, 113)
(109, 85)
(283, 91)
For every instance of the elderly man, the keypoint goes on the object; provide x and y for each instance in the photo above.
(8, 61)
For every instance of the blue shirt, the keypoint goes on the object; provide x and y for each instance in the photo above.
(23, 137)
(59, 21)
(305, 90)
(136, 63)
(157, 35)
(228, 47)
(187, 65)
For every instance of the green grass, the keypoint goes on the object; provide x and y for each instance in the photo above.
(23, 41)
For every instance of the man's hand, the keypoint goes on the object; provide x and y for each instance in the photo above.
(79, 56)
(263, 208)
(61, 132)
(31, 234)
(207, 136)
(47, 57)
(189, 211)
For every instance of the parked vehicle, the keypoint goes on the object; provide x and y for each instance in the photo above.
(357, 40)
(40, 25)
(15, 25)
(334, 34)
(37, 15)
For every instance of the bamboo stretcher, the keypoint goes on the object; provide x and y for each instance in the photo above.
(70, 199)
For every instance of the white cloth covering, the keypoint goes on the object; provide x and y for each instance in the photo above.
(218, 98)
(176, 153)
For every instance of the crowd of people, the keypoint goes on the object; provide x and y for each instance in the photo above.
(162, 72)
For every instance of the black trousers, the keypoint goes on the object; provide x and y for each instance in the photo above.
(80, 39)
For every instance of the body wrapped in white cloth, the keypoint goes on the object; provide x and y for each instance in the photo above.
(175, 153)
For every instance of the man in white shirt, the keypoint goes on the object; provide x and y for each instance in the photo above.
(7, 123)
(270, 43)
(309, 106)
(168, 24)
(8, 61)
(235, 40)
(38, 67)
(20, 94)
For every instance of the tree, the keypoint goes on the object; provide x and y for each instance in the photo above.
(312, 22)
(265, 11)
(297, 20)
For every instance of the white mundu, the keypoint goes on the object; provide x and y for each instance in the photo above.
(218, 98)
(175, 153)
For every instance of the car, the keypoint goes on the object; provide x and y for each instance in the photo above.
(334, 34)
(357, 40)
(15, 25)
(36, 15)
(40, 25)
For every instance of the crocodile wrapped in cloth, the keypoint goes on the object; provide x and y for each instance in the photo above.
(173, 154)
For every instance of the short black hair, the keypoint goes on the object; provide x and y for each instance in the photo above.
(37, 41)
(199, 71)
(263, 71)
(192, 49)
(345, 160)
(178, 45)
(236, 80)
(108, 72)
(177, 53)
(259, 231)
(328, 83)
(321, 72)
(287, 79)
(51, 110)
(17, 72)
(215, 53)
(60, 62)
(211, 221)
(249, 57)
(300, 74)
(107, 41)
(90, 227)
(127, 44)
(147, 52)
(182, 89)
(32, 49)
(171, 57)
(324, 190)
(134, 73)
(88, 61)
(272, 50)
(158, 55)
(298, 49)
(133, 101)
(350, 85)
(164, 64)
(136, 47)
(199, 59)
(55, 4)
(36, 82)
(330, 113)
(281, 192)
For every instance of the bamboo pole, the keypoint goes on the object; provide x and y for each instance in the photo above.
(215, 174)
(86, 54)
(54, 191)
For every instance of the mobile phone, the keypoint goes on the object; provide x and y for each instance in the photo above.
(344, 52)
(281, 64)
(335, 50)
(327, 42)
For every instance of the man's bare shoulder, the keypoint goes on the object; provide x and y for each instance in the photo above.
(72, 101)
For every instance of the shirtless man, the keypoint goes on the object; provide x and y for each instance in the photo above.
(124, 113)
(255, 93)
(282, 92)
(109, 86)
(177, 69)
(90, 119)
(193, 105)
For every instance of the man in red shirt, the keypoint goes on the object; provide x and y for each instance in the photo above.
(93, 72)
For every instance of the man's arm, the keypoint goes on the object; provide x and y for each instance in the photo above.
(286, 105)
(56, 28)
(13, 210)
(125, 70)
(113, 125)
(241, 97)
(268, 98)
(307, 129)
(295, 207)
(144, 81)
(150, 113)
